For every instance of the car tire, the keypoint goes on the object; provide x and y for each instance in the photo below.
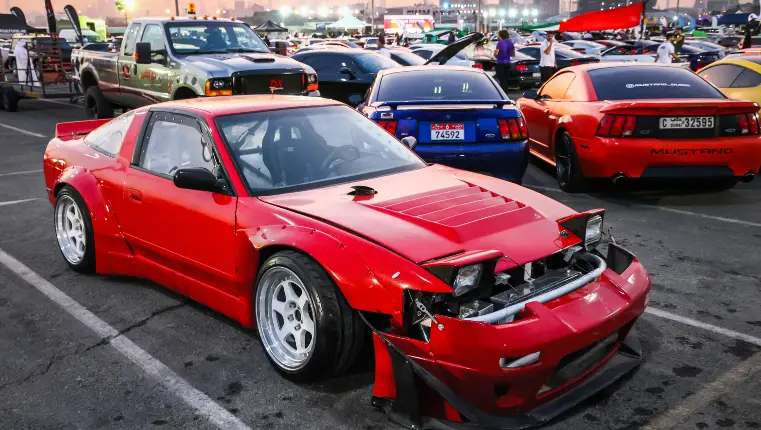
(74, 232)
(10, 99)
(96, 105)
(294, 293)
(2, 98)
(567, 168)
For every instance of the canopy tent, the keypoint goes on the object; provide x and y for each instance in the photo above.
(347, 23)
(734, 19)
(550, 26)
(270, 27)
(612, 19)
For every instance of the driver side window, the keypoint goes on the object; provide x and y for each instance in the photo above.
(556, 87)
(174, 142)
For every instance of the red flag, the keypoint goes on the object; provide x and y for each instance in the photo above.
(612, 19)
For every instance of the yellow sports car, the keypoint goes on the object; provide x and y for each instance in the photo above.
(738, 77)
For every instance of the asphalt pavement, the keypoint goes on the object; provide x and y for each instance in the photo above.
(701, 335)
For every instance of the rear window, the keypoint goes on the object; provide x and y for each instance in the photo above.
(437, 85)
(622, 83)
(373, 63)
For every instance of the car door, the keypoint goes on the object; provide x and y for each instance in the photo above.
(182, 238)
(539, 113)
(152, 78)
(129, 94)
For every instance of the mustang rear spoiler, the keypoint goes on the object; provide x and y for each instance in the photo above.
(78, 128)
(393, 105)
(680, 106)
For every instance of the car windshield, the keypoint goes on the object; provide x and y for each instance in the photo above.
(203, 37)
(294, 149)
(650, 82)
(437, 85)
(373, 63)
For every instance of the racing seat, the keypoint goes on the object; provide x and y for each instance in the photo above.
(215, 40)
(290, 160)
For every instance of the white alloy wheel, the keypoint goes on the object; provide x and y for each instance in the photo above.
(70, 229)
(285, 317)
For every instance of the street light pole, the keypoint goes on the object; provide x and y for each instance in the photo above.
(478, 17)
(177, 7)
(372, 16)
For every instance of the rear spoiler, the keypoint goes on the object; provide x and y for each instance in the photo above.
(680, 106)
(393, 105)
(78, 128)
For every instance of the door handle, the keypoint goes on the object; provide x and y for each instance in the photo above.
(135, 195)
(546, 111)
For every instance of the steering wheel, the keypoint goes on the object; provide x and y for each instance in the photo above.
(345, 152)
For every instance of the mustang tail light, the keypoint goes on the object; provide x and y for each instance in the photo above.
(478, 66)
(617, 126)
(521, 67)
(576, 63)
(389, 126)
(513, 128)
(748, 123)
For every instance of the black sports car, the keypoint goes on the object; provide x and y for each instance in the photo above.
(563, 56)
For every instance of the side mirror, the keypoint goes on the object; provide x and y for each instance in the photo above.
(196, 178)
(346, 71)
(143, 53)
(410, 142)
(531, 94)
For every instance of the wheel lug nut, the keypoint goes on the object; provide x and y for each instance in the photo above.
(298, 327)
(290, 317)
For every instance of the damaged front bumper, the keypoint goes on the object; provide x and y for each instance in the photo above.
(520, 374)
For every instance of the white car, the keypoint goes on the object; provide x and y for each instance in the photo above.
(586, 46)
(707, 46)
(627, 53)
(426, 51)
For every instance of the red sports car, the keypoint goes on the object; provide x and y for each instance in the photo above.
(488, 303)
(623, 120)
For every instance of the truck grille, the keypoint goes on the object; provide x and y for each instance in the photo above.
(292, 83)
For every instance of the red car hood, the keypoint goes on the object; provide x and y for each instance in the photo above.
(437, 211)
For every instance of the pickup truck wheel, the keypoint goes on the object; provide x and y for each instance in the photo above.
(96, 104)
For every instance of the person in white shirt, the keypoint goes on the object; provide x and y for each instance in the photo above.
(547, 63)
(382, 46)
(666, 51)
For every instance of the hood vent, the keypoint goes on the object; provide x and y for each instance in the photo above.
(454, 206)
(361, 190)
(260, 59)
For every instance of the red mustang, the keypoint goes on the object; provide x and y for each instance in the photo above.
(621, 121)
(488, 303)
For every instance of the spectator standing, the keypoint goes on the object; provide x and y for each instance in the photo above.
(679, 42)
(666, 51)
(505, 50)
(382, 46)
(547, 63)
(451, 38)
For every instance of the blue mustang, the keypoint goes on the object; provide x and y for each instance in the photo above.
(457, 116)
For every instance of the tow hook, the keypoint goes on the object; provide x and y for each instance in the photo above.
(427, 313)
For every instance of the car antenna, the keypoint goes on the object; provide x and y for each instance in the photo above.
(273, 89)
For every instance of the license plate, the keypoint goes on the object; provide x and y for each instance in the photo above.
(677, 122)
(536, 75)
(450, 131)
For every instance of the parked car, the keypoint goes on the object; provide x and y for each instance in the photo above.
(738, 77)
(429, 50)
(586, 47)
(565, 57)
(707, 46)
(345, 74)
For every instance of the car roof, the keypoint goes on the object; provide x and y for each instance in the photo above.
(230, 105)
(427, 68)
(338, 49)
(614, 64)
(183, 19)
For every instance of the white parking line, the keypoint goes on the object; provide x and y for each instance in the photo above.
(30, 133)
(157, 370)
(13, 202)
(58, 102)
(23, 172)
(699, 324)
(660, 208)
(726, 383)
(716, 218)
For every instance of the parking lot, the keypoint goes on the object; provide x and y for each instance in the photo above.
(701, 335)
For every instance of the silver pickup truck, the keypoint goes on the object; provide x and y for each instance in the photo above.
(163, 59)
